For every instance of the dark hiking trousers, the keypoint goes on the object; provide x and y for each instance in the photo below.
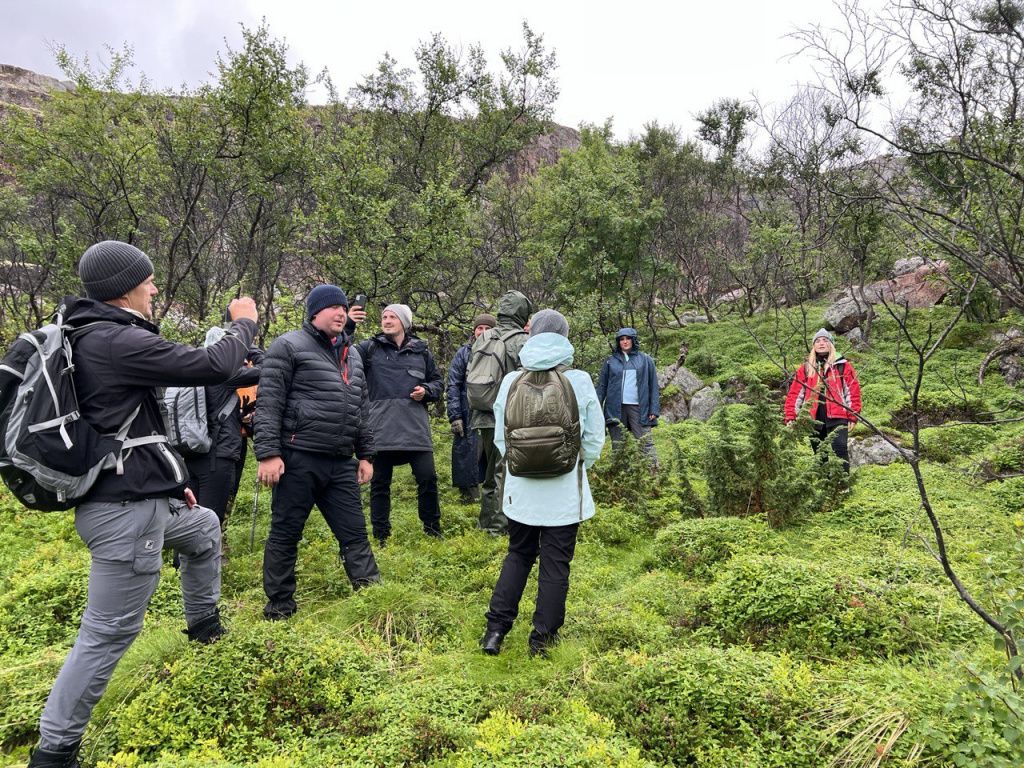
(212, 480)
(492, 519)
(555, 545)
(422, 465)
(125, 542)
(838, 429)
(642, 432)
(309, 478)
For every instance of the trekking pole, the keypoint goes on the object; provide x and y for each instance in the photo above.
(255, 512)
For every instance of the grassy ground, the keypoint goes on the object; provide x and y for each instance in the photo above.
(706, 641)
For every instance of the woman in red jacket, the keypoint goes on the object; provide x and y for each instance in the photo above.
(827, 386)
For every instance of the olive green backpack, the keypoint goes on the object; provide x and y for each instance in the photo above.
(542, 425)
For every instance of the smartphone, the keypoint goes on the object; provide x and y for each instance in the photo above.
(359, 302)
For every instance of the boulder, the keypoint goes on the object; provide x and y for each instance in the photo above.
(921, 288)
(855, 337)
(873, 450)
(906, 266)
(705, 402)
(845, 315)
(674, 410)
(680, 376)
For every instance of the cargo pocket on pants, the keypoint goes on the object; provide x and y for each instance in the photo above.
(147, 555)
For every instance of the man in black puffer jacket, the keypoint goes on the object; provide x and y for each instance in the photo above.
(134, 510)
(314, 445)
(402, 380)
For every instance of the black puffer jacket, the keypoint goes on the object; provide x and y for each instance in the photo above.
(312, 397)
(400, 423)
(118, 364)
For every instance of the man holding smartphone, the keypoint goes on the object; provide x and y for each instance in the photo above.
(402, 380)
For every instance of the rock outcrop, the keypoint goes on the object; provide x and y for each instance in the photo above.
(25, 89)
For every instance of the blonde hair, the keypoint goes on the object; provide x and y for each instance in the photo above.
(812, 360)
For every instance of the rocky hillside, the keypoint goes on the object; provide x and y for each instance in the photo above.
(26, 89)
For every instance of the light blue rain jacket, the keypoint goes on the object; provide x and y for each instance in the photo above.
(551, 501)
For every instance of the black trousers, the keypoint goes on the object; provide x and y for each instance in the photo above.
(556, 546)
(309, 478)
(836, 430)
(214, 480)
(428, 506)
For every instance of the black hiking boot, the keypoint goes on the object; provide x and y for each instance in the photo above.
(65, 757)
(279, 611)
(490, 643)
(208, 630)
(541, 645)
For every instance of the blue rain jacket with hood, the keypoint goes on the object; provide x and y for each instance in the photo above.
(552, 501)
(612, 380)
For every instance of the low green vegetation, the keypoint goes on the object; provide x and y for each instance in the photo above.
(697, 633)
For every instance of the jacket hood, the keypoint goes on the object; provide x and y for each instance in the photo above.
(545, 351)
(79, 311)
(514, 306)
(631, 333)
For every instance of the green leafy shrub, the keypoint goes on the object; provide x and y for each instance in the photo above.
(696, 547)
(702, 362)
(44, 598)
(763, 372)
(711, 707)
(622, 476)
(953, 443)
(575, 737)
(261, 687)
(759, 468)
(786, 603)
(938, 407)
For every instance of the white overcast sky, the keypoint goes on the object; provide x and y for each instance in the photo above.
(638, 61)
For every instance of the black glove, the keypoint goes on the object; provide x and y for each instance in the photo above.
(457, 428)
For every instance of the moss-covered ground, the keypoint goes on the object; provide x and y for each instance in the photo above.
(704, 641)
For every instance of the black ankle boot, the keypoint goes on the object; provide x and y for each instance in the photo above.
(207, 630)
(540, 645)
(490, 643)
(65, 757)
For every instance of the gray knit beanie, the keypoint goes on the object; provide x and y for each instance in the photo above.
(823, 334)
(549, 321)
(110, 269)
(403, 312)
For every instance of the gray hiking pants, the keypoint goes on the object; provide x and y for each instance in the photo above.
(125, 540)
(642, 432)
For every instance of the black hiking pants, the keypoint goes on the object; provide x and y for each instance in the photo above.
(837, 431)
(330, 483)
(555, 546)
(422, 465)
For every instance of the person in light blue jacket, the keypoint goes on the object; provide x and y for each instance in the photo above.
(544, 514)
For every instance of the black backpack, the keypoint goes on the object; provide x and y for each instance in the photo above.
(50, 456)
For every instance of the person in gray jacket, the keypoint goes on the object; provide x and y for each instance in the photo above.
(314, 446)
(132, 512)
(402, 380)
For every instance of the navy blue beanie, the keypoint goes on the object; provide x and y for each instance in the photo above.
(324, 296)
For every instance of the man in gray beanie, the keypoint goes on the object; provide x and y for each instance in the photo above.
(133, 511)
(314, 446)
(403, 380)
